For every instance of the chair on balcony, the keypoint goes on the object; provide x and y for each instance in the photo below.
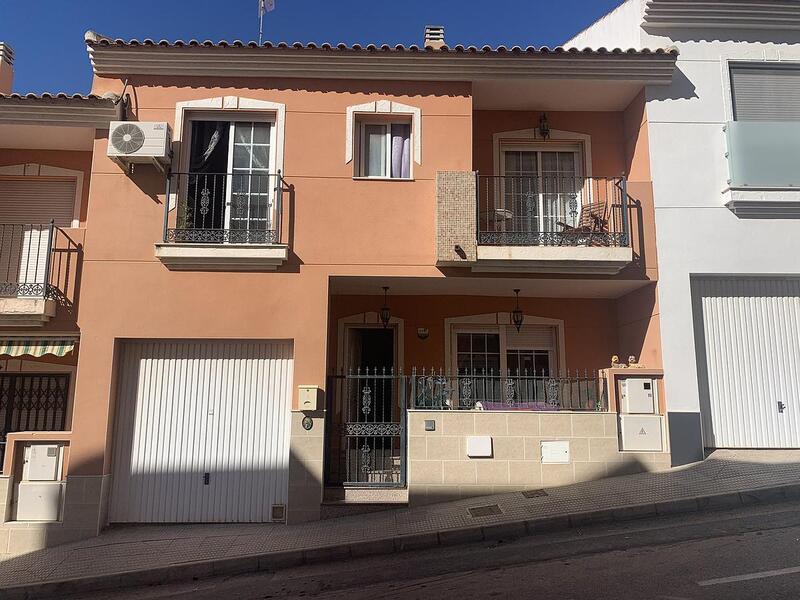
(591, 229)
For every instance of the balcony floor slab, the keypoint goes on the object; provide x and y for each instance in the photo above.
(553, 259)
(222, 257)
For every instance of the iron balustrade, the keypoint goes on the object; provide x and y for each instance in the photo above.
(509, 390)
(224, 208)
(552, 210)
(30, 402)
(26, 257)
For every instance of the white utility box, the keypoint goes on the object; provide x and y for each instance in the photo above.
(642, 433)
(39, 500)
(479, 446)
(309, 397)
(639, 395)
(42, 462)
(555, 452)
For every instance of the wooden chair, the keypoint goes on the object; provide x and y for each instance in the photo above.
(591, 227)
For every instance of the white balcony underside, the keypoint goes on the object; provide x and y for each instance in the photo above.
(26, 312)
(553, 259)
(222, 257)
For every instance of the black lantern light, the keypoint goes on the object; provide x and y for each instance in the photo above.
(516, 315)
(544, 126)
(386, 313)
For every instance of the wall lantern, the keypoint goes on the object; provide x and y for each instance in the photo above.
(544, 126)
(516, 315)
(386, 313)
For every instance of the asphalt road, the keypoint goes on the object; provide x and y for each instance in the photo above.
(734, 555)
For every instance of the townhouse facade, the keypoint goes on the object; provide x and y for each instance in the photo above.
(727, 231)
(312, 279)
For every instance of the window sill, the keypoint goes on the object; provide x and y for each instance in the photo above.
(383, 179)
(222, 257)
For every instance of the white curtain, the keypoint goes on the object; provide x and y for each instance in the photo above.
(401, 150)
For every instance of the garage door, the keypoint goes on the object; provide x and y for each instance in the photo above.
(202, 431)
(750, 365)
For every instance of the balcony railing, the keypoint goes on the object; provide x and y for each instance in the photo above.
(552, 210)
(224, 208)
(26, 260)
(510, 390)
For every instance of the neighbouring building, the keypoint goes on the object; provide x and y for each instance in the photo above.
(309, 279)
(723, 147)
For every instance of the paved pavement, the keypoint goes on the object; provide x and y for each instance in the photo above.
(127, 549)
(750, 552)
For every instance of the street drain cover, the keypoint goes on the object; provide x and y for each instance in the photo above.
(534, 493)
(485, 511)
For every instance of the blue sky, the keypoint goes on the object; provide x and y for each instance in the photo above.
(47, 35)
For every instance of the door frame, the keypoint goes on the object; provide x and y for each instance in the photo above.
(368, 320)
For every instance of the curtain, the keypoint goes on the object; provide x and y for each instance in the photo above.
(206, 138)
(401, 150)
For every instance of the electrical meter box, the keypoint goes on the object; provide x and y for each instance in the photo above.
(42, 462)
(642, 433)
(639, 396)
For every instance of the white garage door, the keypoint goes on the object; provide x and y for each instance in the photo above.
(751, 330)
(202, 431)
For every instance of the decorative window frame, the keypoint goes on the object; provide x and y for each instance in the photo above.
(530, 137)
(40, 170)
(369, 320)
(381, 108)
(497, 323)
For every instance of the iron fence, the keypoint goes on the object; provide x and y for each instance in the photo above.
(26, 254)
(31, 402)
(224, 208)
(510, 390)
(552, 210)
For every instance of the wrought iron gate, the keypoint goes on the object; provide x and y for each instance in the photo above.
(32, 403)
(366, 430)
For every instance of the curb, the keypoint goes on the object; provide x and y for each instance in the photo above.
(275, 561)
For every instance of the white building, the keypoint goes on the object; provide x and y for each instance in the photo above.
(725, 160)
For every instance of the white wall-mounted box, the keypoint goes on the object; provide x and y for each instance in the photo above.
(308, 396)
(639, 395)
(42, 462)
(479, 446)
(555, 452)
(642, 433)
(39, 500)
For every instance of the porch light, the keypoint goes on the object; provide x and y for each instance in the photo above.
(386, 313)
(544, 126)
(516, 315)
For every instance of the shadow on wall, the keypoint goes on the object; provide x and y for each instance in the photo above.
(169, 497)
(700, 34)
(681, 88)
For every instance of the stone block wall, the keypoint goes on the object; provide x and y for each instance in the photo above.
(439, 469)
(455, 217)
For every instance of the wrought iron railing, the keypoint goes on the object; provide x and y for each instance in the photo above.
(552, 210)
(366, 435)
(32, 403)
(224, 208)
(26, 256)
(511, 390)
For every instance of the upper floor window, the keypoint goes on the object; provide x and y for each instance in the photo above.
(765, 92)
(385, 149)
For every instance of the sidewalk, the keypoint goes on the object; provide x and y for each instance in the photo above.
(126, 556)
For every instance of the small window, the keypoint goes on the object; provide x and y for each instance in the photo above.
(765, 92)
(385, 150)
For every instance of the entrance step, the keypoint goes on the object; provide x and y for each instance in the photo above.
(344, 502)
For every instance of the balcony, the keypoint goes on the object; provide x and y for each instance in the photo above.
(37, 262)
(764, 169)
(544, 224)
(223, 222)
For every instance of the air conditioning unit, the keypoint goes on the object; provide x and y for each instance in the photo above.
(140, 142)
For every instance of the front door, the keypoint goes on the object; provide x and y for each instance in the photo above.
(366, 447)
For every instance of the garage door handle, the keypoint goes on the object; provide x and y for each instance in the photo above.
(781, 407)
(206, 478)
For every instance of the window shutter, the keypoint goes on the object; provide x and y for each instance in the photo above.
(531, 337)
(765, 92)
(32, 200)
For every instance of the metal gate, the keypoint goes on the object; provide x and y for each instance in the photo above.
(32, 403)
(366, 430)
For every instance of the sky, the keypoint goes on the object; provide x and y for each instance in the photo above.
(47, 35)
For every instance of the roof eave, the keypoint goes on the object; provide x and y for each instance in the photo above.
(59, 110)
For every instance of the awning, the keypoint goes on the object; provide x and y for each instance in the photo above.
(36, 347)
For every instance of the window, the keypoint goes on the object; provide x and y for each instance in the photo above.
(229, 186)
(529, 363)
(385, 150)
(765, 92)
(478, 353)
